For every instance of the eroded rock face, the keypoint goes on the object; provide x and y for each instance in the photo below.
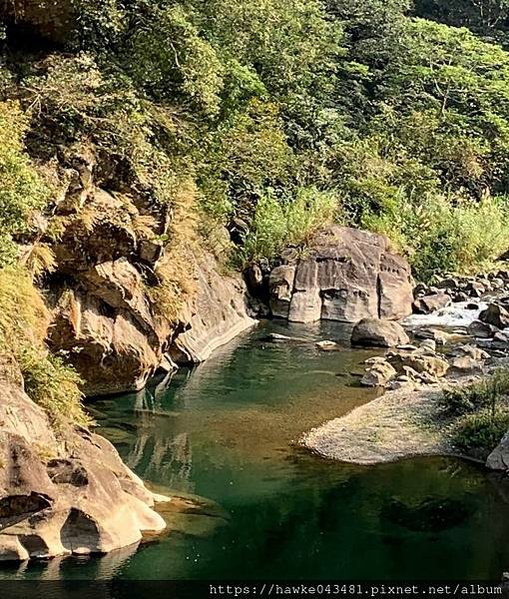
(105, 318)
(346, 275)
(58, 498)
(216, 314)
(105, 345)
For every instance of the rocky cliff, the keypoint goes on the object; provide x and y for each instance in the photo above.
(345, 275)
(104, 289)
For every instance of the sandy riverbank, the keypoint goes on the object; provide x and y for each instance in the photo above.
(399, 424)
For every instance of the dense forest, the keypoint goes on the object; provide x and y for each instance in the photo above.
(269, 118)
(272, 117)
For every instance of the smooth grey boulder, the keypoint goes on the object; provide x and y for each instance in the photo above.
(346, 275)
(371, 332)
(480, 329)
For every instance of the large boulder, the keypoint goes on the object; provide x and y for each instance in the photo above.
(371, 332)
(431, 303)
(346, 275)
(71, 495)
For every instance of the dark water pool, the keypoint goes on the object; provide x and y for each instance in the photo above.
(225, 431)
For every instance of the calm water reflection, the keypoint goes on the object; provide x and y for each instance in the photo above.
(226, 431)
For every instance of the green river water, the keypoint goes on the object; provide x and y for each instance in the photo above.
(227, 431)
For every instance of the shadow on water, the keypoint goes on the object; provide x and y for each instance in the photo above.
(227, 431)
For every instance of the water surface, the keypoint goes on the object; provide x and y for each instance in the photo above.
(226, 431)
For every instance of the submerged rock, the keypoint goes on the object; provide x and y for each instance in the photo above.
(346, 275)
(371, 332)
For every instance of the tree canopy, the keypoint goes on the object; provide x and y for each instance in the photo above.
(396, 111)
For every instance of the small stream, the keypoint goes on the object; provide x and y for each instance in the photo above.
(226, 431)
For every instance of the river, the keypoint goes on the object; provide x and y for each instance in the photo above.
(227, 431)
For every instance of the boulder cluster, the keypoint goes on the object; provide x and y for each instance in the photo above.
(428, 298)
(409, 365)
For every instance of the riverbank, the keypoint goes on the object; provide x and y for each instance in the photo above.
(464, 417)
(401, 423)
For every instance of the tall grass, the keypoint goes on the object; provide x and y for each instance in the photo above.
(440, 234)
(278, 223)
(23, 324)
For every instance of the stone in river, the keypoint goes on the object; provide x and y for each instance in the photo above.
(371, 332)
(346, 275)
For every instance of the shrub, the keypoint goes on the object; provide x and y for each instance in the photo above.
(278, 223)
(23, 315)
(440, 234)
(53, 385)
(481, 432)
(22, 190)
(175, 272)
(485, 394)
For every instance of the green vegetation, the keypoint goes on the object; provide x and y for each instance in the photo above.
(283, 115)
(487, 393)
(22, 190)
(23, 322)
(53, 385)
(401, 121)
(481, 432)
(278, 223)
(479, 413)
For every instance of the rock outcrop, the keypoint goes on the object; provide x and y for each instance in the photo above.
(64, 496)
(106, 317)
(345, 275)
(215, 315)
